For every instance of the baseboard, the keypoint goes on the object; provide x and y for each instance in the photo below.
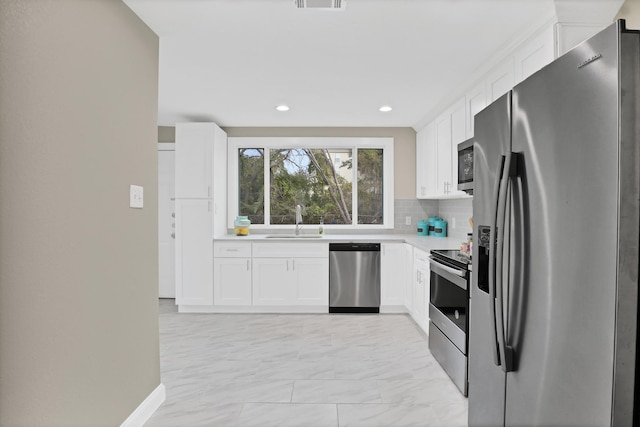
(259, 309)
(146, 409)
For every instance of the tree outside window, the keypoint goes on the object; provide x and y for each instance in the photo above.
(321, 180)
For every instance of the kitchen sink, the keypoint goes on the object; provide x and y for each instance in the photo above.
(293, 236)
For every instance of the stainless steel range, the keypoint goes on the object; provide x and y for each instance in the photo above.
(448, 309)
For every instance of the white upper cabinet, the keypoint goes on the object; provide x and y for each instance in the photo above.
(476, 100)
(534, 54)
(437, 154)
(194, 160)
(569, 35)
(458, 135)
(426, 162)
(201, 168)
(500, 80)
(443, 147)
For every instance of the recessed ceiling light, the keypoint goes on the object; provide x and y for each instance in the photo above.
(385, 108)
(282, 107)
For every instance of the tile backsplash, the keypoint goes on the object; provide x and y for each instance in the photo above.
(455, 211)
(416, 209)
(458, 212)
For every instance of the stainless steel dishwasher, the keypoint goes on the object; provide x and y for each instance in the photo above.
(354, 277)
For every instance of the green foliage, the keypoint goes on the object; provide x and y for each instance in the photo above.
(313, 179)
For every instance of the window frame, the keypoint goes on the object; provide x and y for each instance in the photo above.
(353, 143)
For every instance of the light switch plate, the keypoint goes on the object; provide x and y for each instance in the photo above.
(136, 196)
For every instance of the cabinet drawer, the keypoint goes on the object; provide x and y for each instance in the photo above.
(291, 250)
(232, 250)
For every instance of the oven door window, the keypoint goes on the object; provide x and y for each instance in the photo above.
(450, 299)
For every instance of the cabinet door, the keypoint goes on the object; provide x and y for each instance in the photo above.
(443, 146)
(194, 157)
(475, 101)
(421, 288)
(393, 273)
(408, 285)
(534, 54)
(426, 162)
(426, 280)
(458, 135)
(232, 281)
(418, 298)
(312, 281)
(194, 253)
(219, 182)
(273, 281)
(501, 80)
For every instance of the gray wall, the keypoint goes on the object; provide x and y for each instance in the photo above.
(404, 151)
(78, 267)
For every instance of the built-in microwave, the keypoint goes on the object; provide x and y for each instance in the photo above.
(465, 166)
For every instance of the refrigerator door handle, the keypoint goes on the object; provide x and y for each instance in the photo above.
(492, 262)
(506, 353)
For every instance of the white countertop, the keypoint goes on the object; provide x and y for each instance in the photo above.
(425, 243)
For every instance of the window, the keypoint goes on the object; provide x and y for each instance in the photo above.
(342, 182)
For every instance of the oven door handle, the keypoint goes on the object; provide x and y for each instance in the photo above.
(457, 277)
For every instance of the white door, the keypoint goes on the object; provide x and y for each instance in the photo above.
(166, 223)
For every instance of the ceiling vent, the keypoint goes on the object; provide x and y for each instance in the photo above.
(320, 4)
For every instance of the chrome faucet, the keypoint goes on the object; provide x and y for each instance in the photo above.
(298, 219)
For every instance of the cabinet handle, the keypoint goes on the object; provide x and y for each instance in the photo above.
(231, 250)
(293, 263)
(248, 265)
(287, 265)
(208, 191)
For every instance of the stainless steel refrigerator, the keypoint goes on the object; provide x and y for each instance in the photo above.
(554, 296)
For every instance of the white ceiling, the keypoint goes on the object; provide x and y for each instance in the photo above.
(233, 61)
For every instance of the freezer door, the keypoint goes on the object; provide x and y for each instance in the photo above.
(562, 308)
(486, 380)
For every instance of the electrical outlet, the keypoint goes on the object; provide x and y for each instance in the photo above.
(453, 223)
(407, 220)
(136, 196)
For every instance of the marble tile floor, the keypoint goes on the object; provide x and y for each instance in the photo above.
(240, 370)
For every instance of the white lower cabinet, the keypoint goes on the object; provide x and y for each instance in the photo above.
(232, 273)
(421, 272)
(290, 274)
(232, 281)
(273, 284)
(194, 252)
(394, 264)
(312, 281)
